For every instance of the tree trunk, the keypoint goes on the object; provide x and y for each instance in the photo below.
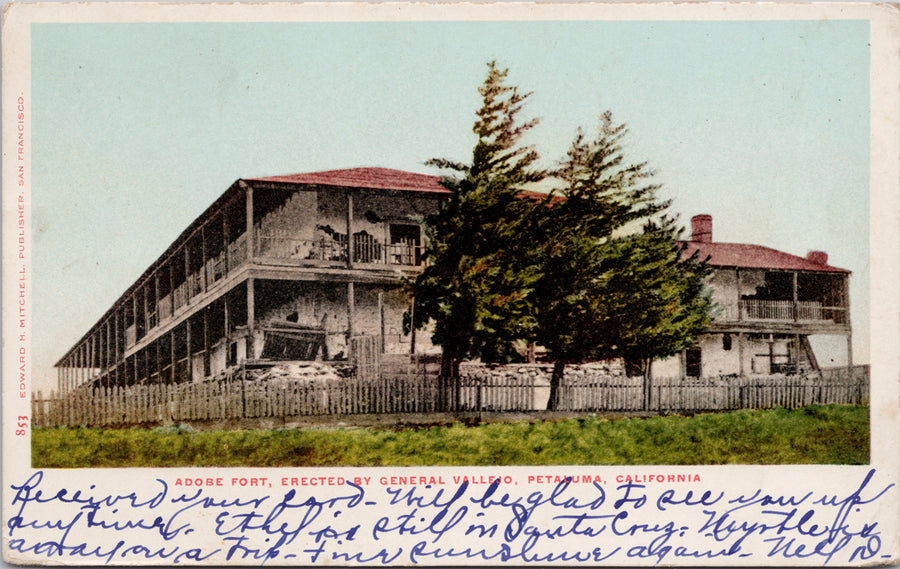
(450, 390)
(555, 379)
(648, 383)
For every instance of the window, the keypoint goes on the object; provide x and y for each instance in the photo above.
(692, 362)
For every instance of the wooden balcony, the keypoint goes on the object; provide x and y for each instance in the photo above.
(280, 244)
(787, 310)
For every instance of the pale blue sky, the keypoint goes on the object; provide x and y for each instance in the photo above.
(139, 127)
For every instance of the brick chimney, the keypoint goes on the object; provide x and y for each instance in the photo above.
(701, 228)
(817, 257)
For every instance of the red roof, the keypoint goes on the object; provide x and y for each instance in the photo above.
(754, 257)
(370, 178)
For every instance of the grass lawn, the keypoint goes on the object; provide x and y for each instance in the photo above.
(818, 434)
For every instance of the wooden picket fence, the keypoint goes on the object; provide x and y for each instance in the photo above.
(245, 399)
(834, 386)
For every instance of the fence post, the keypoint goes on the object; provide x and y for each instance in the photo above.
(478, 396)
(243, 395)
(35, 408)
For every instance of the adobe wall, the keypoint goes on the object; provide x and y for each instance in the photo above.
(324, 305)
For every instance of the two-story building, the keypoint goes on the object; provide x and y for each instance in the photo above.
(771, 308)
(312, 266)
(294, 267)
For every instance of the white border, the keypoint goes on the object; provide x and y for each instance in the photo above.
(795, 480)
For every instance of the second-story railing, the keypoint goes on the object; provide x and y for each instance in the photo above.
(280, 244)
(805, 311)
(237, 252)
(394, 254)
(165, 307)
(181, 295)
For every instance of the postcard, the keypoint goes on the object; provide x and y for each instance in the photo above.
(394, 283)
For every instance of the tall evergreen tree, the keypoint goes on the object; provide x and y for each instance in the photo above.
(588, 252)
(475, 286)
(655, 296)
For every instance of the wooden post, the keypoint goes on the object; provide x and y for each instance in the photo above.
(146, 304)
(80, 365)
(107, 356)
(190, 358)
(172, 354)
(251, 238)
(205, 338)
(134, 315)
(203, 275)
(351, 301)
(171, 284)
(227, 325)
(846, 303)
(737, 278)
(225, 242)
(188, 289)
(100, 359)
(90, 358)
(120, 349)
(158, 360)
(381, 321)
(741, 354)
(73, 379)
(796, 303)
(156, 297)
(349, 228)
(412, 326)
(251, 317)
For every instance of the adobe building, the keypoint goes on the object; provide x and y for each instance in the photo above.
(267, 273)
(770, 305)
(299, 267)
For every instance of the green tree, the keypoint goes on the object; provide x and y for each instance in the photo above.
(590, 249)
(476, 284)
(655, 296)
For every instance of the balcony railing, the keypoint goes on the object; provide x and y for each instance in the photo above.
(280, 245)
(180, 296)
(237, 252)
(806, 311)
(394, 254)
(165, 307)
(195, 284)
(216, 268)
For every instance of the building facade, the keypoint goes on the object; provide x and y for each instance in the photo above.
(776, 313)
(313, 266)
(299, 267)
